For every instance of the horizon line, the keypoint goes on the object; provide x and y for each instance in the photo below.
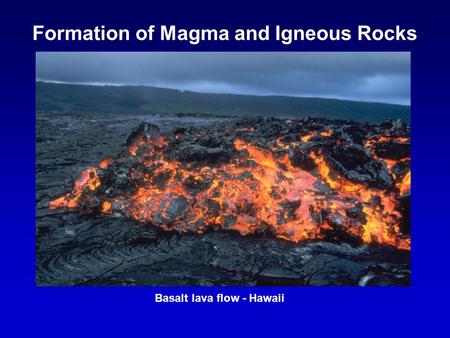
(107, 84)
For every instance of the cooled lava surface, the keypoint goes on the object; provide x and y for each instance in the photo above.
(183, 200)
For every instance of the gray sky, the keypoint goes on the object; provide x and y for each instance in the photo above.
(371, 76)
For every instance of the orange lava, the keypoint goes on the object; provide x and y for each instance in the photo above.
(249, 193)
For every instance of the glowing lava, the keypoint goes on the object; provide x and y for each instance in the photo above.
(255, 190)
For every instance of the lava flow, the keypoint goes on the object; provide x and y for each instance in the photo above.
(297, 180)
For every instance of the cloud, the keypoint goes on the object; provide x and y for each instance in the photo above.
(365, 76)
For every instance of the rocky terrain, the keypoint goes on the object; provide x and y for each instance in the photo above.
(129, 243)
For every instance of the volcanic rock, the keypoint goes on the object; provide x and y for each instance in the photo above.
(245, 202)
(354, 163)
(393, 150)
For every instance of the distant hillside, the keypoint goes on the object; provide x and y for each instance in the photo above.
(139, 99)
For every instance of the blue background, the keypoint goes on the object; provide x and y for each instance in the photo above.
(395, 311)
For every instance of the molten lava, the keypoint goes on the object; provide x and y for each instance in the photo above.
(249, 187)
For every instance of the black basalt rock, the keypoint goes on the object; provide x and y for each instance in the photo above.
(354, 163)
(393, 150)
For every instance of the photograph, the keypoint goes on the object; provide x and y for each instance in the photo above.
(223, 168)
